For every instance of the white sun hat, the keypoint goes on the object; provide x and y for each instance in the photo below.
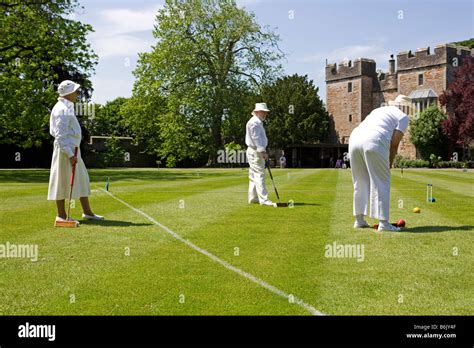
(67, 87)
(261, 107)
(400, 100)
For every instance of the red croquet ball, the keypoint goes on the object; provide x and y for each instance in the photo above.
(401, 223)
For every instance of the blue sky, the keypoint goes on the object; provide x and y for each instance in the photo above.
(311, 31)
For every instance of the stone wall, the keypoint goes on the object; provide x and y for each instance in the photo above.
(406, 147)
(433, 78)
(385, 89)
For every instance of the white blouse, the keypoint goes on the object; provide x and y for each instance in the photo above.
(64, 126)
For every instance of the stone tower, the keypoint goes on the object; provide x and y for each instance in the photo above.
(349, 95)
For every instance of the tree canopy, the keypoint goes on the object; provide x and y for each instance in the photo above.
(208, 53)
(466, 43)
(108, 119)
(40, 45)
(298, 115)
(459, 102)
(426, 133)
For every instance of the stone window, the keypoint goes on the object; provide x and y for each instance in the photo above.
(420, 79)
(350, 118)
(349, 87)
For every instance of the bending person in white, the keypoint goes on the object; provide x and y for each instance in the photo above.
(372, 149)
(257, 142)
(65, 129)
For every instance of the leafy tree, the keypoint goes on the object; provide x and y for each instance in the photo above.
(207, 53)
(114, 154)
(172, 135)
(298, 115)
(459, 102)
(39, 47)
(426, 132)
(236, 114)
(108, 119)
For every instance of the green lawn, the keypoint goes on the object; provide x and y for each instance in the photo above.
(89, 270)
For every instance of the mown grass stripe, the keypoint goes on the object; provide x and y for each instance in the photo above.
(218, 260)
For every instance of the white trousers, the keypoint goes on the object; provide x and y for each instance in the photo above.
(257, 189)
(60, 177)
(369, 156)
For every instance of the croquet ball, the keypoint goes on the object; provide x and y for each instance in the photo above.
(416, 210)
(433, 200)
(401, 223)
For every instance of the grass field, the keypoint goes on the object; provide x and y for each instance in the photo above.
(128, 265)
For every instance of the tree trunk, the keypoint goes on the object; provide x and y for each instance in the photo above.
(216, 126)
(216, 130)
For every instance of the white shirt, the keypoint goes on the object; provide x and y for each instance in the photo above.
(64, 126)
(255, 134)
(385, 120)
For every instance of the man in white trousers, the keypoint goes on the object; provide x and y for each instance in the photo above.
(372, 149)
(257, 142)
(66, 130)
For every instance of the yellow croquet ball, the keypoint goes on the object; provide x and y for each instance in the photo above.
(416, 210)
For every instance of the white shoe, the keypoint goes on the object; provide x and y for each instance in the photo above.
(92, 217)
(269, 203)
(390, 228)
(58, 218)
(363, 224)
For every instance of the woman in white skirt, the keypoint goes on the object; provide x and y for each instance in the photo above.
(65, 129)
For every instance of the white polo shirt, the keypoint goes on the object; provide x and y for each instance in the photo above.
(385, 120)
(255, 134)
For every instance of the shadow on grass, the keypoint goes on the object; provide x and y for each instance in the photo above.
(434, 229)
(113, 223)
(100, 175)
(299, 204)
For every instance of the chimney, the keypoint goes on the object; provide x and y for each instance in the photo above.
(391, 65)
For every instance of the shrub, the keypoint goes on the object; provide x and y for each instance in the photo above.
(435, 162)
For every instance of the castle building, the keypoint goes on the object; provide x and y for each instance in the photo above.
(354, 89)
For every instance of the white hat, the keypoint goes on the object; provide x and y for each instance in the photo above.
(400, 100)
(67, 87)
(261, 107)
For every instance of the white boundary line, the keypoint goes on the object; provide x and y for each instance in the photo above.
(218, 260)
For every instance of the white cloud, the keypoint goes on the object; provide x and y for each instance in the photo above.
(125, 20)
(123, 31)
(120, 45)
